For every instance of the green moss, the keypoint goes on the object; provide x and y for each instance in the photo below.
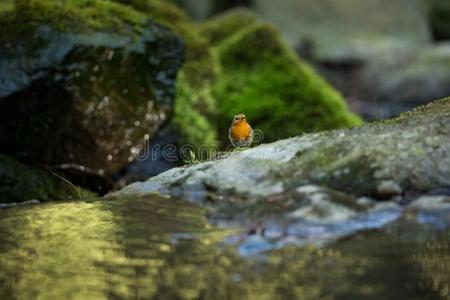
(195, 105)
(279, 93)
(73, 15)
(190, 120)
(21, 182)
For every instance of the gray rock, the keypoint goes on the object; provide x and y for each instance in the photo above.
(407, 154)
(365, 201)
(22, 203)
(431, 211)
(432, 202)
(320, 207)
(388, 188)
(33, 201)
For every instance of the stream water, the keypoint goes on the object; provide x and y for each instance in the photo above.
(160, 248)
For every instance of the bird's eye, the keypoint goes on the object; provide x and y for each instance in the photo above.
(236, 119)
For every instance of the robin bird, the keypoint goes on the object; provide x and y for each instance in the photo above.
(240, 133)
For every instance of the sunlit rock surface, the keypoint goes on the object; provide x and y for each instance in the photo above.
(323, 186)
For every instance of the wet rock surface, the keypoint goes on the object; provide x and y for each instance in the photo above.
(74, 98)
(323, 186)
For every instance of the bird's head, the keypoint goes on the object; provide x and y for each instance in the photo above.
(239, 118)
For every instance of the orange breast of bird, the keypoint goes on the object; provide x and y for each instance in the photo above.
(241, 131)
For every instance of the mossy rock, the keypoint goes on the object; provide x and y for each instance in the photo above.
(21, 182)
(66, 15)
(84, 82)
(195, 106)
(263, 78)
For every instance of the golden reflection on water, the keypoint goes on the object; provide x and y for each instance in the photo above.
(49, 244)
(94, 250)
(160, 248)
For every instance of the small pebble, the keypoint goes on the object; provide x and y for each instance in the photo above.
(34, 201)
(365, 201)
(309, 189)
(389, 188)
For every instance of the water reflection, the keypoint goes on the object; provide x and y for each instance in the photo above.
(160, 248)
(96, 250)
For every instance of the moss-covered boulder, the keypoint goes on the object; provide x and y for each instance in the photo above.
(21, 182)
(263, 78)
(83, 82)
